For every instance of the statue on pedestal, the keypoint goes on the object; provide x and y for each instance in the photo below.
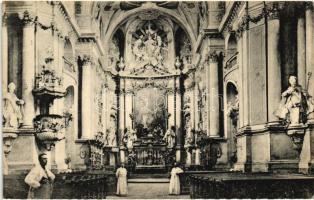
(131, 137)
(112, 137)
(295, 105)
(233, 111)
(170, 137)
(12, 108)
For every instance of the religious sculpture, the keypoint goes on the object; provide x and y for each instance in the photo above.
(170, 137)
(233, 111)
(148, 48)
(138, 49)
(112, 137)
(295, 104)
(131, 137)
(12, 109)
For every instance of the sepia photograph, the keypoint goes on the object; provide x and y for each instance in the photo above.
(157, 99)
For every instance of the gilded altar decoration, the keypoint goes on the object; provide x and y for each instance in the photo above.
(12, 108)
(149, 48)
(149, 45)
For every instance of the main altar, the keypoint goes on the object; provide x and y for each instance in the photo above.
(153, 93)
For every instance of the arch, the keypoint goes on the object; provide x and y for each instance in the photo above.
(125, 16)
(68, 55)
(68, 50)
(232, 119)
(231, 45)
(231, 91)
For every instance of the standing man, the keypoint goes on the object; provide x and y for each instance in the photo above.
(122, 185)
(174, 186)
(40, 179)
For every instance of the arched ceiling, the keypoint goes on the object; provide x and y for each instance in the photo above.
(184, 14)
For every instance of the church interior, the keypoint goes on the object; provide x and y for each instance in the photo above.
(222, 88)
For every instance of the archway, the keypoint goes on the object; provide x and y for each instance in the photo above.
(232, 119)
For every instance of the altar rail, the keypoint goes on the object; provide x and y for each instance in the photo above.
(239, 185)
(78, 185)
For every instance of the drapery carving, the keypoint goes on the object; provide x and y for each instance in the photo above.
(12, 108)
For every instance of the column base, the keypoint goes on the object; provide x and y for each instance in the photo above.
(243, 167)
(283, 166)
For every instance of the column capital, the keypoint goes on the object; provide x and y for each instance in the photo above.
(4, 19)
(86, 59)
(273, 10)
(26, 18)
(309, 5)
(213, 57)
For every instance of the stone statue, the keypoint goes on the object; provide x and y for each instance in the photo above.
(106, 137)
(112, 137)
(131, 137)
(295, 104)
(170, 137)
(233, 111)
(12, 108)
(138, 49)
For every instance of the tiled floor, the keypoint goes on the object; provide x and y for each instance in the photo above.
(149, 190)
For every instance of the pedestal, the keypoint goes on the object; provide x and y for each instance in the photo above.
(122, 155)
(178, 155)
(198, 156)
(112, 159)
(306, 164)
(24, 154)
(188, 161)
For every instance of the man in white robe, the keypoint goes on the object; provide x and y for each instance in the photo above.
(122, 186)
(174, 186)
(40, 179)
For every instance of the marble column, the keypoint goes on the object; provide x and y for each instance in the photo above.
(213, 96)
(273, 62)
(104, 109)
(207, 77)
(112, 159)
(240, 89)
(245, 77)
(309, 49)
(86, 98)
(197, 156)
(171, 110)
(28, 73)
(301, 51)
(188, 161)
(4, 53)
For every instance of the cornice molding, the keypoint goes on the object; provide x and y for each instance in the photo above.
(231, 15)
(210, 33)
